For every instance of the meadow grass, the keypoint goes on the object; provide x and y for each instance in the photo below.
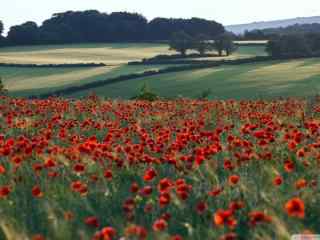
(111, 54)
(30, 81)
(271, 79)
(207, 169)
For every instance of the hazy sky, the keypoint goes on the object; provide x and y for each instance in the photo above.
(14, 12)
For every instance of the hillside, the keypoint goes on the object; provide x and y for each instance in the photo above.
(248, 81)
(241, 28)
(115, 56)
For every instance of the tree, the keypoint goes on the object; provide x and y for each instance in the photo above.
(314, 42)
(1, 27)
(181, 42)
(229, 46)
(254, 35)
(94, 26)
(201, 44)
(25, 34)
(274, 48)
(2, 39)
(292, 45)
(224, 42)
(163, 28)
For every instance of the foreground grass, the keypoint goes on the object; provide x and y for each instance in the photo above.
(270, 79)
(181, 169)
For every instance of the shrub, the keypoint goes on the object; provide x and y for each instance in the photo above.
(3, 90)
(146, 94)
(205, 94)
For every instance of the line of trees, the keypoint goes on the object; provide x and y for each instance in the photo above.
(92, 26)
(294, 45)
(2, 39)
(202, 43)
(270, 33)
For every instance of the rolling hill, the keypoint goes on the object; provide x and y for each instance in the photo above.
(241, 28)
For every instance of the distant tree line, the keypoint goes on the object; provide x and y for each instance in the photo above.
(202, 43)
(2, 39)
(270, 33)
(294, 45)
(92, 26)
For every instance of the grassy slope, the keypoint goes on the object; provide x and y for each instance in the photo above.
(111, 54)
(30, 81)
(290, 78)
(106, 53)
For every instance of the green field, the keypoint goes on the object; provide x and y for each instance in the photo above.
(30, 81)
(271, 79)
(111, 54)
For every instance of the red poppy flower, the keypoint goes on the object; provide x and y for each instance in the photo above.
(301, 183)
(148, 208)
(138, 231)
(38, 237)
(79, 168)
(215, 192)
(36, 192)
(92, 221)
(201, 207)
(108, 174)
(295, 208)
(108, 233)
(134, 187)
(4, 191)
(129, 205)
(301, 153)
(2, 169)
(277, 181)
(49, 163)
(164, 199)
(228, 165)
(236, 205)
(146, 191)
(149, 174)
(292, 145)
(224, 217)
(176, 237)
(257, 217)
(229, 236)
(164, 185)
(234, 179)
(159, 225)
(68, 216)
(288, 166)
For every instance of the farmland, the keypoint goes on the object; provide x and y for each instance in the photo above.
(110, 54)
(21, 81)
(183, 169)
(259, 80)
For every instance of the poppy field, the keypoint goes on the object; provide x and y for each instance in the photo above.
(165, 170)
